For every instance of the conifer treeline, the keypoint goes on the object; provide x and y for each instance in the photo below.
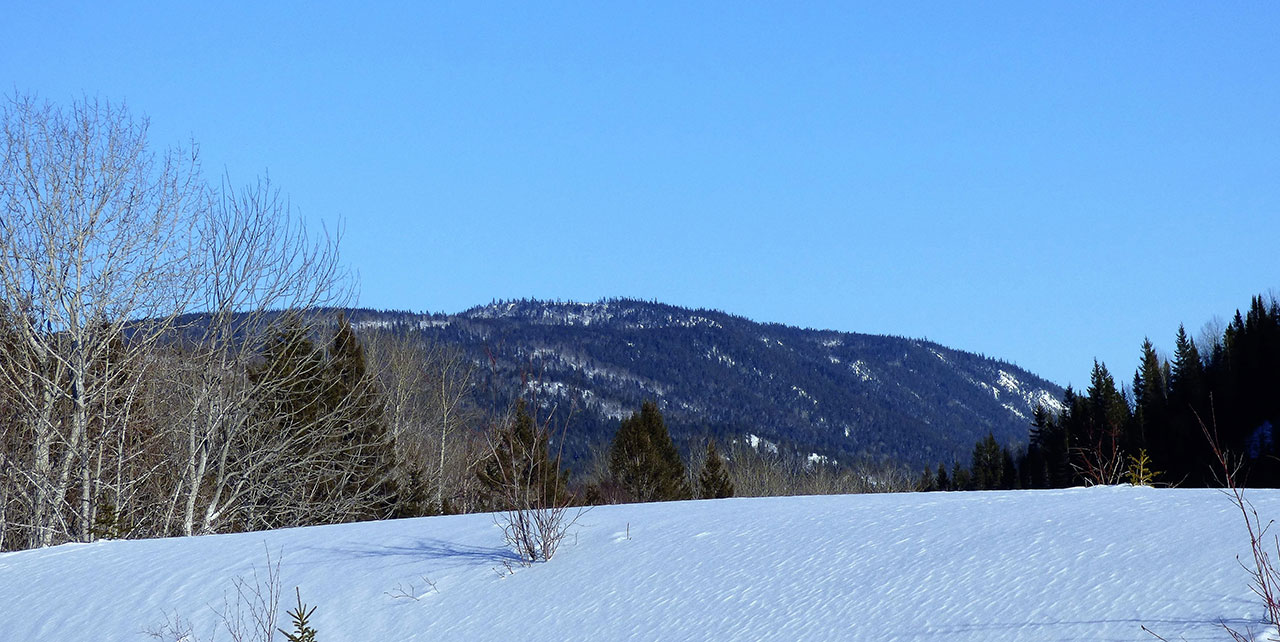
(1229, 385)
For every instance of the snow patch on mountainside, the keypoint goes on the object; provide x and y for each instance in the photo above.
(862, 370)
(758, 443)
(715, 354)
(1024, 398)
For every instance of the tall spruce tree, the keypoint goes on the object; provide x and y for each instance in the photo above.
(1151, 407)
(986, 466)
(519, 471)
(713, 481)
(1103, 422)
(644, 461)
(960, 477)
(1188, 401)
(324, 409)
(1074, 423)
(289, 383)
(365, 453)
(1049, 442)
(1008, 469)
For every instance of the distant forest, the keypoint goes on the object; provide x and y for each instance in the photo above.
(1161, 429)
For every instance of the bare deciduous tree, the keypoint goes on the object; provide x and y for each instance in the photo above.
(260, 269)
(93, 258)
(134, 303)
(757, 473)
(427, 389)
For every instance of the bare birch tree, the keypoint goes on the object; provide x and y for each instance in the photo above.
(260, 270)
(140, 313)
(427, 389)
(93, 250)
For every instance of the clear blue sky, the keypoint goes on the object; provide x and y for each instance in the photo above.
(1042, 182)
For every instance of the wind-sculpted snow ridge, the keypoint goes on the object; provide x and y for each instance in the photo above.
(1079, 564)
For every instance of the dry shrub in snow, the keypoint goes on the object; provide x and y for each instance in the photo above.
(523, 482)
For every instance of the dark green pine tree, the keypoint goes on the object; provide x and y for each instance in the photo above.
(713, 481)
(301, 617)
(960, 478)
(289, 384)
(1109, 411)
(1031, 468)
(1008, 469)
(941, 480)
(520, 471)
(926, 482)
(644, 462)
(1051, 434)
(1188, 401)
(366, 455)
(1151, 408)
(986, 467)
(290, 380)
(1098, 429)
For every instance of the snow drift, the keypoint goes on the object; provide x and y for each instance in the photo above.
(1079, 564)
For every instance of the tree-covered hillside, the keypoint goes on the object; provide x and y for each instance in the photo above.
(812, 392)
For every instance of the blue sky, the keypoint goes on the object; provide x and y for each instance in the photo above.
(1042, 182)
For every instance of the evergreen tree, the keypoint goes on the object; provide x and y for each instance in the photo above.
(1032, 472)
(644, 461)
(1045, 465)
(1097, 429)
(1008, 470)
(1187, 383)
(943, 482)
(301, 616)
(519, 471)
(1108, 409)
(1071, 426)
(1151, 407)
(960, 478)
(290, 386)
(713, 481)
(413, 498)
(1187, 405)
(985, 469)
(926, 482)
(365, 449)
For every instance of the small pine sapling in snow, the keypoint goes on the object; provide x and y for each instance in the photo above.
(1140, 472)
(302, 630)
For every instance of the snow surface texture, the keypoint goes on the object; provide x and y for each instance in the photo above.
(1079, 564)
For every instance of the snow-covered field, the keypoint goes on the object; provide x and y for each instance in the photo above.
(1080, 564)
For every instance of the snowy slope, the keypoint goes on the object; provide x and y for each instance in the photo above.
(1079, 564)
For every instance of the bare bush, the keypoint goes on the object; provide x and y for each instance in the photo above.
(249, 612)
(525, 483)
(1264, 549)
(1101, 463)
(251, 616)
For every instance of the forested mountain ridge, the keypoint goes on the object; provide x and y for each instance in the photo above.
(831, 394)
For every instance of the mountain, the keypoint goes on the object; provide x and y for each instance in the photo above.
(813, 393)
(1077, 564)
